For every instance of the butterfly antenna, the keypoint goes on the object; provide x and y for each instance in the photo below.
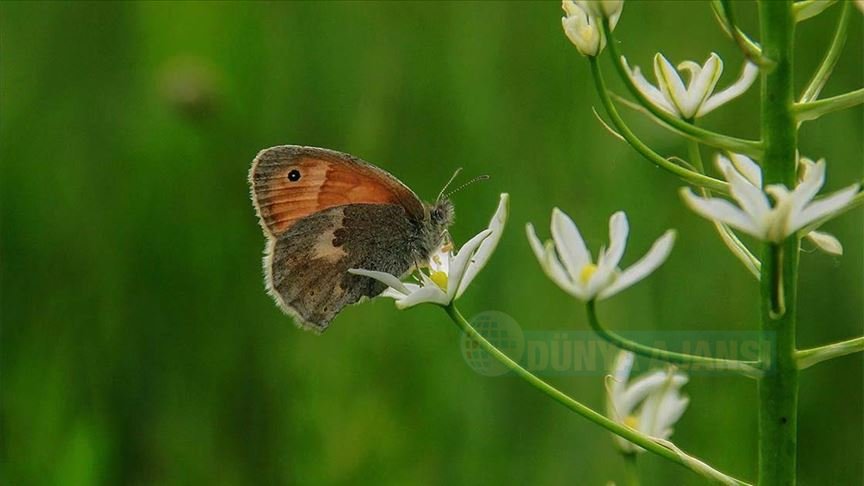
(455, 173)
(463, 186)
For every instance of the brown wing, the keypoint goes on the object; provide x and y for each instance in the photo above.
(306, 268)
(290, 182)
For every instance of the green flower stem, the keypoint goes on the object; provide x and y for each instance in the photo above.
(815, 109)
(749, 369)
(638, 438)
(752, 148)
(778, 388)
(690, 176)
(820, 77)
(809, 357)
(631, 469)
(727, 236)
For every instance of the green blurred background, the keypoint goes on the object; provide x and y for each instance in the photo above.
(139, 346)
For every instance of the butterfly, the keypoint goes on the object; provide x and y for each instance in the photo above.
(324, 212)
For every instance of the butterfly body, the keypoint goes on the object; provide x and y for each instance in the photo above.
(324, 212)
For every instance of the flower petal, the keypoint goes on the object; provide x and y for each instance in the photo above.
(663, 407)
(637, 390)
(648, 90)
(618, 232)
(620, 375)
(582, 30)
(824, 207)
(569, 243)
(826, 242)
(744, 165)
(702, 86)
(431, 294)
(670, 83)
(654, 258)
(721, 210)
(814, 179)
(552, 267)
(484, 252)
(692, 67)
(389, 280)
(536, 244)
(750, 197)
(460, 263)
(556, 272)
(748, 75)
(672, 407)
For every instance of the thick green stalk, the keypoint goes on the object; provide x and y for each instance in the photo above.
(778, 389)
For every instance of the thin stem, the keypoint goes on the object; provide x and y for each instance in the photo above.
(809, 357)
(671, 453)
(752, 148)
(820, 77)
(814, 109)
(778, 388)
(631, 468)
(751, 50)
(749, 369)
(688, 175)
(727, 236)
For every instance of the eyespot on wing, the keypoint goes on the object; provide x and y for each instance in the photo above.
(290, 182)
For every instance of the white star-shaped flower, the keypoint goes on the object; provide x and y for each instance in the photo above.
(791, 210)
(651, 403)
(568, 263)
(448, 274)
(697, 98)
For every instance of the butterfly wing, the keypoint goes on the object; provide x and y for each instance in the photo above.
(324, 212)
(307, 266)
(290, 182)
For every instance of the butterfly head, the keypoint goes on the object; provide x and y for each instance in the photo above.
(441, 214)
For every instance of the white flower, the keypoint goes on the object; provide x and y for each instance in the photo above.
(651, 403)
(697, 98)
(448, 274)
(860, 5)
(790, 212)
(568, 263)
(582, 23)
(824, 241)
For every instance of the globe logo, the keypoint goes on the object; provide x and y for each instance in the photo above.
(503, 332)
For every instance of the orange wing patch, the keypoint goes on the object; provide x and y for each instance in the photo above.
(291, 182)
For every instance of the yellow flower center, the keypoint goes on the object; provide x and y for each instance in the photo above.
(587, 272)
(631, 421)
(440, 279)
